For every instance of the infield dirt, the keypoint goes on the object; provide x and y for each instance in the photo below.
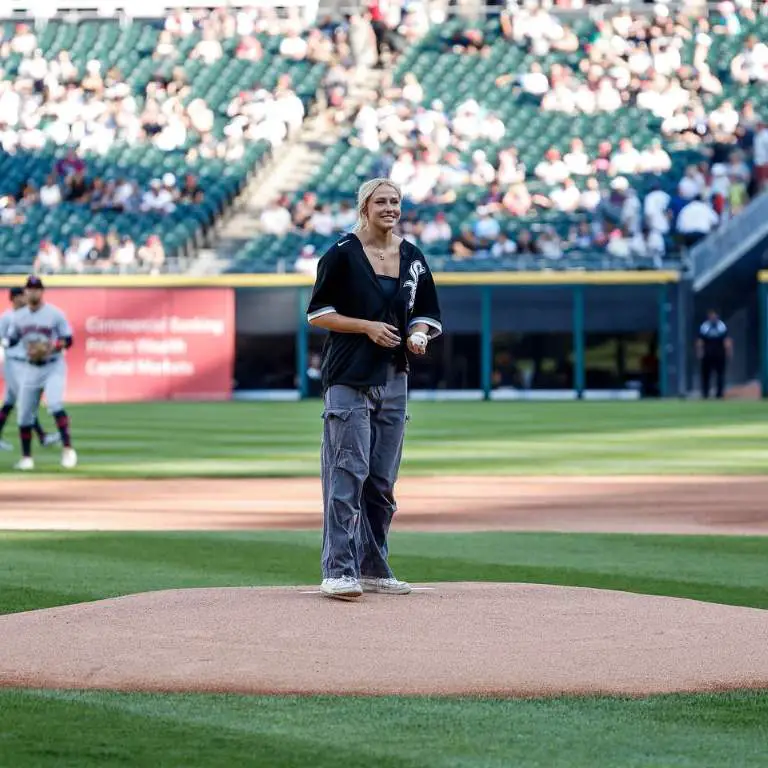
(684, 505)
(458, 638)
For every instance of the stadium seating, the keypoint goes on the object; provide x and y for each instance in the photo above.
(453, 78)
(129, 47)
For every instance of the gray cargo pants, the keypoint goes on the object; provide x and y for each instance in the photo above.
(361, 450)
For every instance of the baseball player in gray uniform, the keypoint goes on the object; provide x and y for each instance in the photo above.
(12, 370)
(44, 333)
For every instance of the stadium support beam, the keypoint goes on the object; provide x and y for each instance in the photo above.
(486, 340)
(578, 341)
(663, 340)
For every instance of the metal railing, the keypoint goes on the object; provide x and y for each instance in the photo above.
(724, 247)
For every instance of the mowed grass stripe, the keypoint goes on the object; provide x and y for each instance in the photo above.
(43, 569)
(54, 728)
(262, 439)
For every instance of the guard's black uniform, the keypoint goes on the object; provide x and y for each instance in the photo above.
(713, 335)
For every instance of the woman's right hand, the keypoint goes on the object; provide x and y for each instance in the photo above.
(383, 334)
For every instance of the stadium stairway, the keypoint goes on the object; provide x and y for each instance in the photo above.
(290, 168)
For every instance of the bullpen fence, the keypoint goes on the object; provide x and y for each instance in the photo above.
(540, 335)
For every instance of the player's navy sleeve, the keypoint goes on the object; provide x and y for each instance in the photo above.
(426, 306)
(325, 294)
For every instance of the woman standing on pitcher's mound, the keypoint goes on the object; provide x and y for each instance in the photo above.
(375, 294)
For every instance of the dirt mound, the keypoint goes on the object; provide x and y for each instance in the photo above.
(502, 639)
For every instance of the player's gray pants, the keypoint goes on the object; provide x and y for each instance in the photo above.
(13, 370)
(361, 450)
(38, 380)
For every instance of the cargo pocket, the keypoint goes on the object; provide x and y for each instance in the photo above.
(340, 434)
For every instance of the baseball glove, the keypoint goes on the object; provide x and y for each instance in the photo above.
(37, 351)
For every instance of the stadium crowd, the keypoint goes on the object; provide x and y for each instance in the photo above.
(633, 60)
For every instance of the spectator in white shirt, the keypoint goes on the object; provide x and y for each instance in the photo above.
(607, 98)
(321, 221)
(124, 257)
(649, 244)
(50, 192)
(619, 245)
(436, 231)
(590, 197)
(655, 159)
(691, 184)
(151, 255)
(626, 159)
(577, 160)
(535, 81)
(760, 149)
(696, 221)
(293, 46)
(631, 212)
(503, 246)
(275, 219)
(567, 197)
(655, 210)
(482, 173)
(24, 40)
(511, 170)
(412, 91)
(157, 199)
(724, 120)
(180, 23)
(74, 258)
(48, 259)
(552, 169)
(208, 49)
(751, 65)
(306, 263)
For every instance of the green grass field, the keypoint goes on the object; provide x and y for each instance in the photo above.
(282, 439)
(49, 729)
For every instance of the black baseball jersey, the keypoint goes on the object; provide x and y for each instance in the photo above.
(347, 284)
(713, 334)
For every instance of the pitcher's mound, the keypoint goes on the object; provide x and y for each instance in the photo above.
(504, 639)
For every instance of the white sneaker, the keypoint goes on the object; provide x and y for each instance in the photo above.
(51, 439)
(68, 458)
(5, 446)
(343, 588)
(25, 463)
(386, 586)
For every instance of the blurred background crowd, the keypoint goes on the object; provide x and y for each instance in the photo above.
(650, 130)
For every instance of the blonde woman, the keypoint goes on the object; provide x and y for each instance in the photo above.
(375, 294)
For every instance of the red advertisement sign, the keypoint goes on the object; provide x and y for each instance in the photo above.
(135, 344)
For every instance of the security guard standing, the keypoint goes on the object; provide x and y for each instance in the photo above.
(713, 347)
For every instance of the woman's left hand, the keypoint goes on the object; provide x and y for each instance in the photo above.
(417, 343)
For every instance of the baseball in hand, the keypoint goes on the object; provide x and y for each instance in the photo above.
(417, 342)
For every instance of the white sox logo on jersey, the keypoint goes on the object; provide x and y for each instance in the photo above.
(416, 269)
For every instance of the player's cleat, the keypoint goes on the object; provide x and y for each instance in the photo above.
(386, 586)
(343, 588)
(25, 464)
(5, 446)
(51, 439)
(69, 458)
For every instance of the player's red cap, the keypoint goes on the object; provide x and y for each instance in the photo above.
(34, 282)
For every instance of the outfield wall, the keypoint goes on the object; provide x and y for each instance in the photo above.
(507, 335)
